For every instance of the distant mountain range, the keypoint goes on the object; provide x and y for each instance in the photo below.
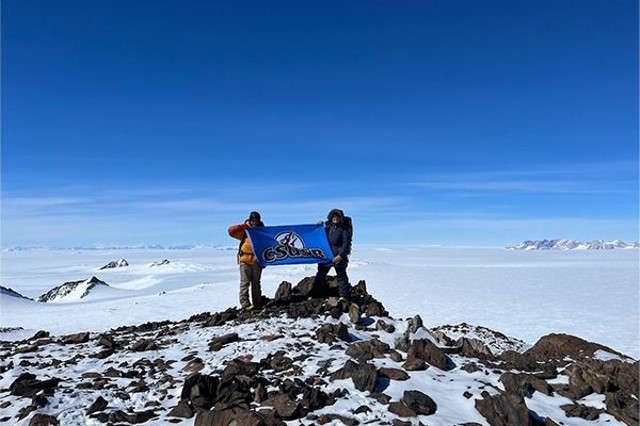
(562, 244)
(124, 247)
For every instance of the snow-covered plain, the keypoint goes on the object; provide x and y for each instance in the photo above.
(591, 294)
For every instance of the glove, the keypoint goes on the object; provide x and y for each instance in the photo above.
(337, 259)
(320, 222)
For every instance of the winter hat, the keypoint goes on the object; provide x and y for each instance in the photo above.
(254, 216)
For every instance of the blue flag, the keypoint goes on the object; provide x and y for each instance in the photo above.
(285, 245)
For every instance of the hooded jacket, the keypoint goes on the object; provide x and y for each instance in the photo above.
(245, 253)
(338, 235)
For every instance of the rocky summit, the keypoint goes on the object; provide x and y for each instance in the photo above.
(120, 263)
(72, 290)
(300, 360)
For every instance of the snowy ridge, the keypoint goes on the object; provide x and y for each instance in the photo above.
(562, 244)
(312, 361)
(12, 293)
(120, 263)
(71, 291)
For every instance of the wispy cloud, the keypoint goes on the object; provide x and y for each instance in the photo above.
(142, 216)
(591, 178)
(438, 208)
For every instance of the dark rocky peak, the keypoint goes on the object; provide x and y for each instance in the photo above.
(162, 262)
(72, 290)
(12, 293)
(116, 264)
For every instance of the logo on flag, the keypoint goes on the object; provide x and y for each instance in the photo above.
(280, 245)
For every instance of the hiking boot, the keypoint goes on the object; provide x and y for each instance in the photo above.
(342, 299)
(248, 308)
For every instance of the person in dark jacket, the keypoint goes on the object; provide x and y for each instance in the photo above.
(339, 237)
(250, 271)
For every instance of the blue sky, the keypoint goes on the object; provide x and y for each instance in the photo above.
(429, 122)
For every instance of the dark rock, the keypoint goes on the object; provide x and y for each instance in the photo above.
(181, 410)
(505, 409)
(43, 420)
(76, 338)
(362, 409)
(218, 342)
(39, 401)
(419, 402)
(194, 365)
(259, 394)
(375, 309)
(381, 398)
(582, 411)
(285, 407)
(395, 355)
(27, 385)
(283, 293)
(221, 318)
(401, 410)
(144, 345)
(471, 367)
(427, 351)
(329, 333)
(106, 353)
(236, 416)
(237, 368)
(134, 417)
(39, 335)
(98, 405)
(106, 340)
(328, 418)
(368, 349)
(525, 384)
(313, 398)
(360, 288)
(393, 373)
(200, 390)
(304, 287)
(354, 313)
(414, 364)
(624, 407)
(382, 325)
(560, 346)
(474, 348)
(345, 372)
(365, 377)
(415, 324)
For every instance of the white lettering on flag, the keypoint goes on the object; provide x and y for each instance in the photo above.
(286, 245)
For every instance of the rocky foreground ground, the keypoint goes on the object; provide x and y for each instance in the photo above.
(312, 361)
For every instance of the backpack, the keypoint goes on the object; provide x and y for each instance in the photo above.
(349, 224)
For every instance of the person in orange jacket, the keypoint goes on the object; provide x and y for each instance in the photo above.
(250, 271)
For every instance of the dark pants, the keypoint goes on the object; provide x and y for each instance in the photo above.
(320, 279)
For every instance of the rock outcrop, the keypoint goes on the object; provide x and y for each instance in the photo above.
(72, 290)
(120, 263)
(305, 359)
